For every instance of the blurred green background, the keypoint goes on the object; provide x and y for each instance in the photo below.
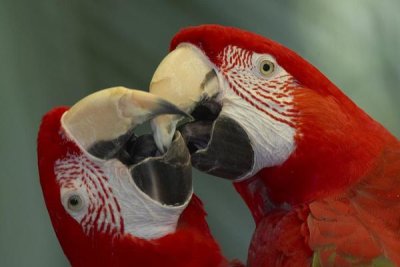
(54, 52)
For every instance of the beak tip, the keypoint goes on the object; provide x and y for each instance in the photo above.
(161, 137)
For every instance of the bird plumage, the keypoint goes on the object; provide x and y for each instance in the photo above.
(190, 245)
(334, 201)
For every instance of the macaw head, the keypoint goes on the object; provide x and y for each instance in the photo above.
(112, 197)
(259, 108)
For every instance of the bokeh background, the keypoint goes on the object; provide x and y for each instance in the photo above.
(54, 52)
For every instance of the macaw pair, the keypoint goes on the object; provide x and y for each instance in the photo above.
(321, 177)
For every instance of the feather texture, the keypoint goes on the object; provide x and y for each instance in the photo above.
(335, 201)
(190, 245)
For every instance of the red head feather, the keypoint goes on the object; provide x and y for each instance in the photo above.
(212, 39)
(191, 245)
(341, 182)
(331, 135)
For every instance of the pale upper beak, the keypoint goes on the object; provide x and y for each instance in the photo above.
(218, 143)
(103, 123)
(185, 77)
(110, 113)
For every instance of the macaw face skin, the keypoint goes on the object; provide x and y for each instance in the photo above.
(113, 198)
(259, 108)
(256, 114)
(253, 91)
(319, 175)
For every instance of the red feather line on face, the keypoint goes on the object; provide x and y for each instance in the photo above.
(213, 39)
(191, 244)
(264, 95)
(78, 172)
(311, 109)
(345, 169)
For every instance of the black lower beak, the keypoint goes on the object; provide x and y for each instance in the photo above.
(221, 148)
(166, 178)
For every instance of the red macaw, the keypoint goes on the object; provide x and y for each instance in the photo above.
(112, 198)
(321, 177)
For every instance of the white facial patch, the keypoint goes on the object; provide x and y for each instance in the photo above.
(79, 176)
(261, 104)
(111, 201)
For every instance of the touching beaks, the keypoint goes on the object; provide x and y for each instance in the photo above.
(185, 77)
(111, 113)
(188, 79)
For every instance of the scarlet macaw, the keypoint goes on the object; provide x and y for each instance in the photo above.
(112, 198)
(320, 176)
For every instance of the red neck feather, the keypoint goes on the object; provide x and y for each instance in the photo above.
(337, 145)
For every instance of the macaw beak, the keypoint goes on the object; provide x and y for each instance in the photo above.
(219, 145)
(185, 77)
(102, 124)
(111, 113)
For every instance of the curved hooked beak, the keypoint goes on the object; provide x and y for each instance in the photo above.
(102, 124)
(185, 77)
(110, 113)
(219, 145)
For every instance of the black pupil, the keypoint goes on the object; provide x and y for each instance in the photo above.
(73, 201)
(266, 67)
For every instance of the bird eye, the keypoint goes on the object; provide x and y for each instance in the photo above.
(75, 203)
(267, 67)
